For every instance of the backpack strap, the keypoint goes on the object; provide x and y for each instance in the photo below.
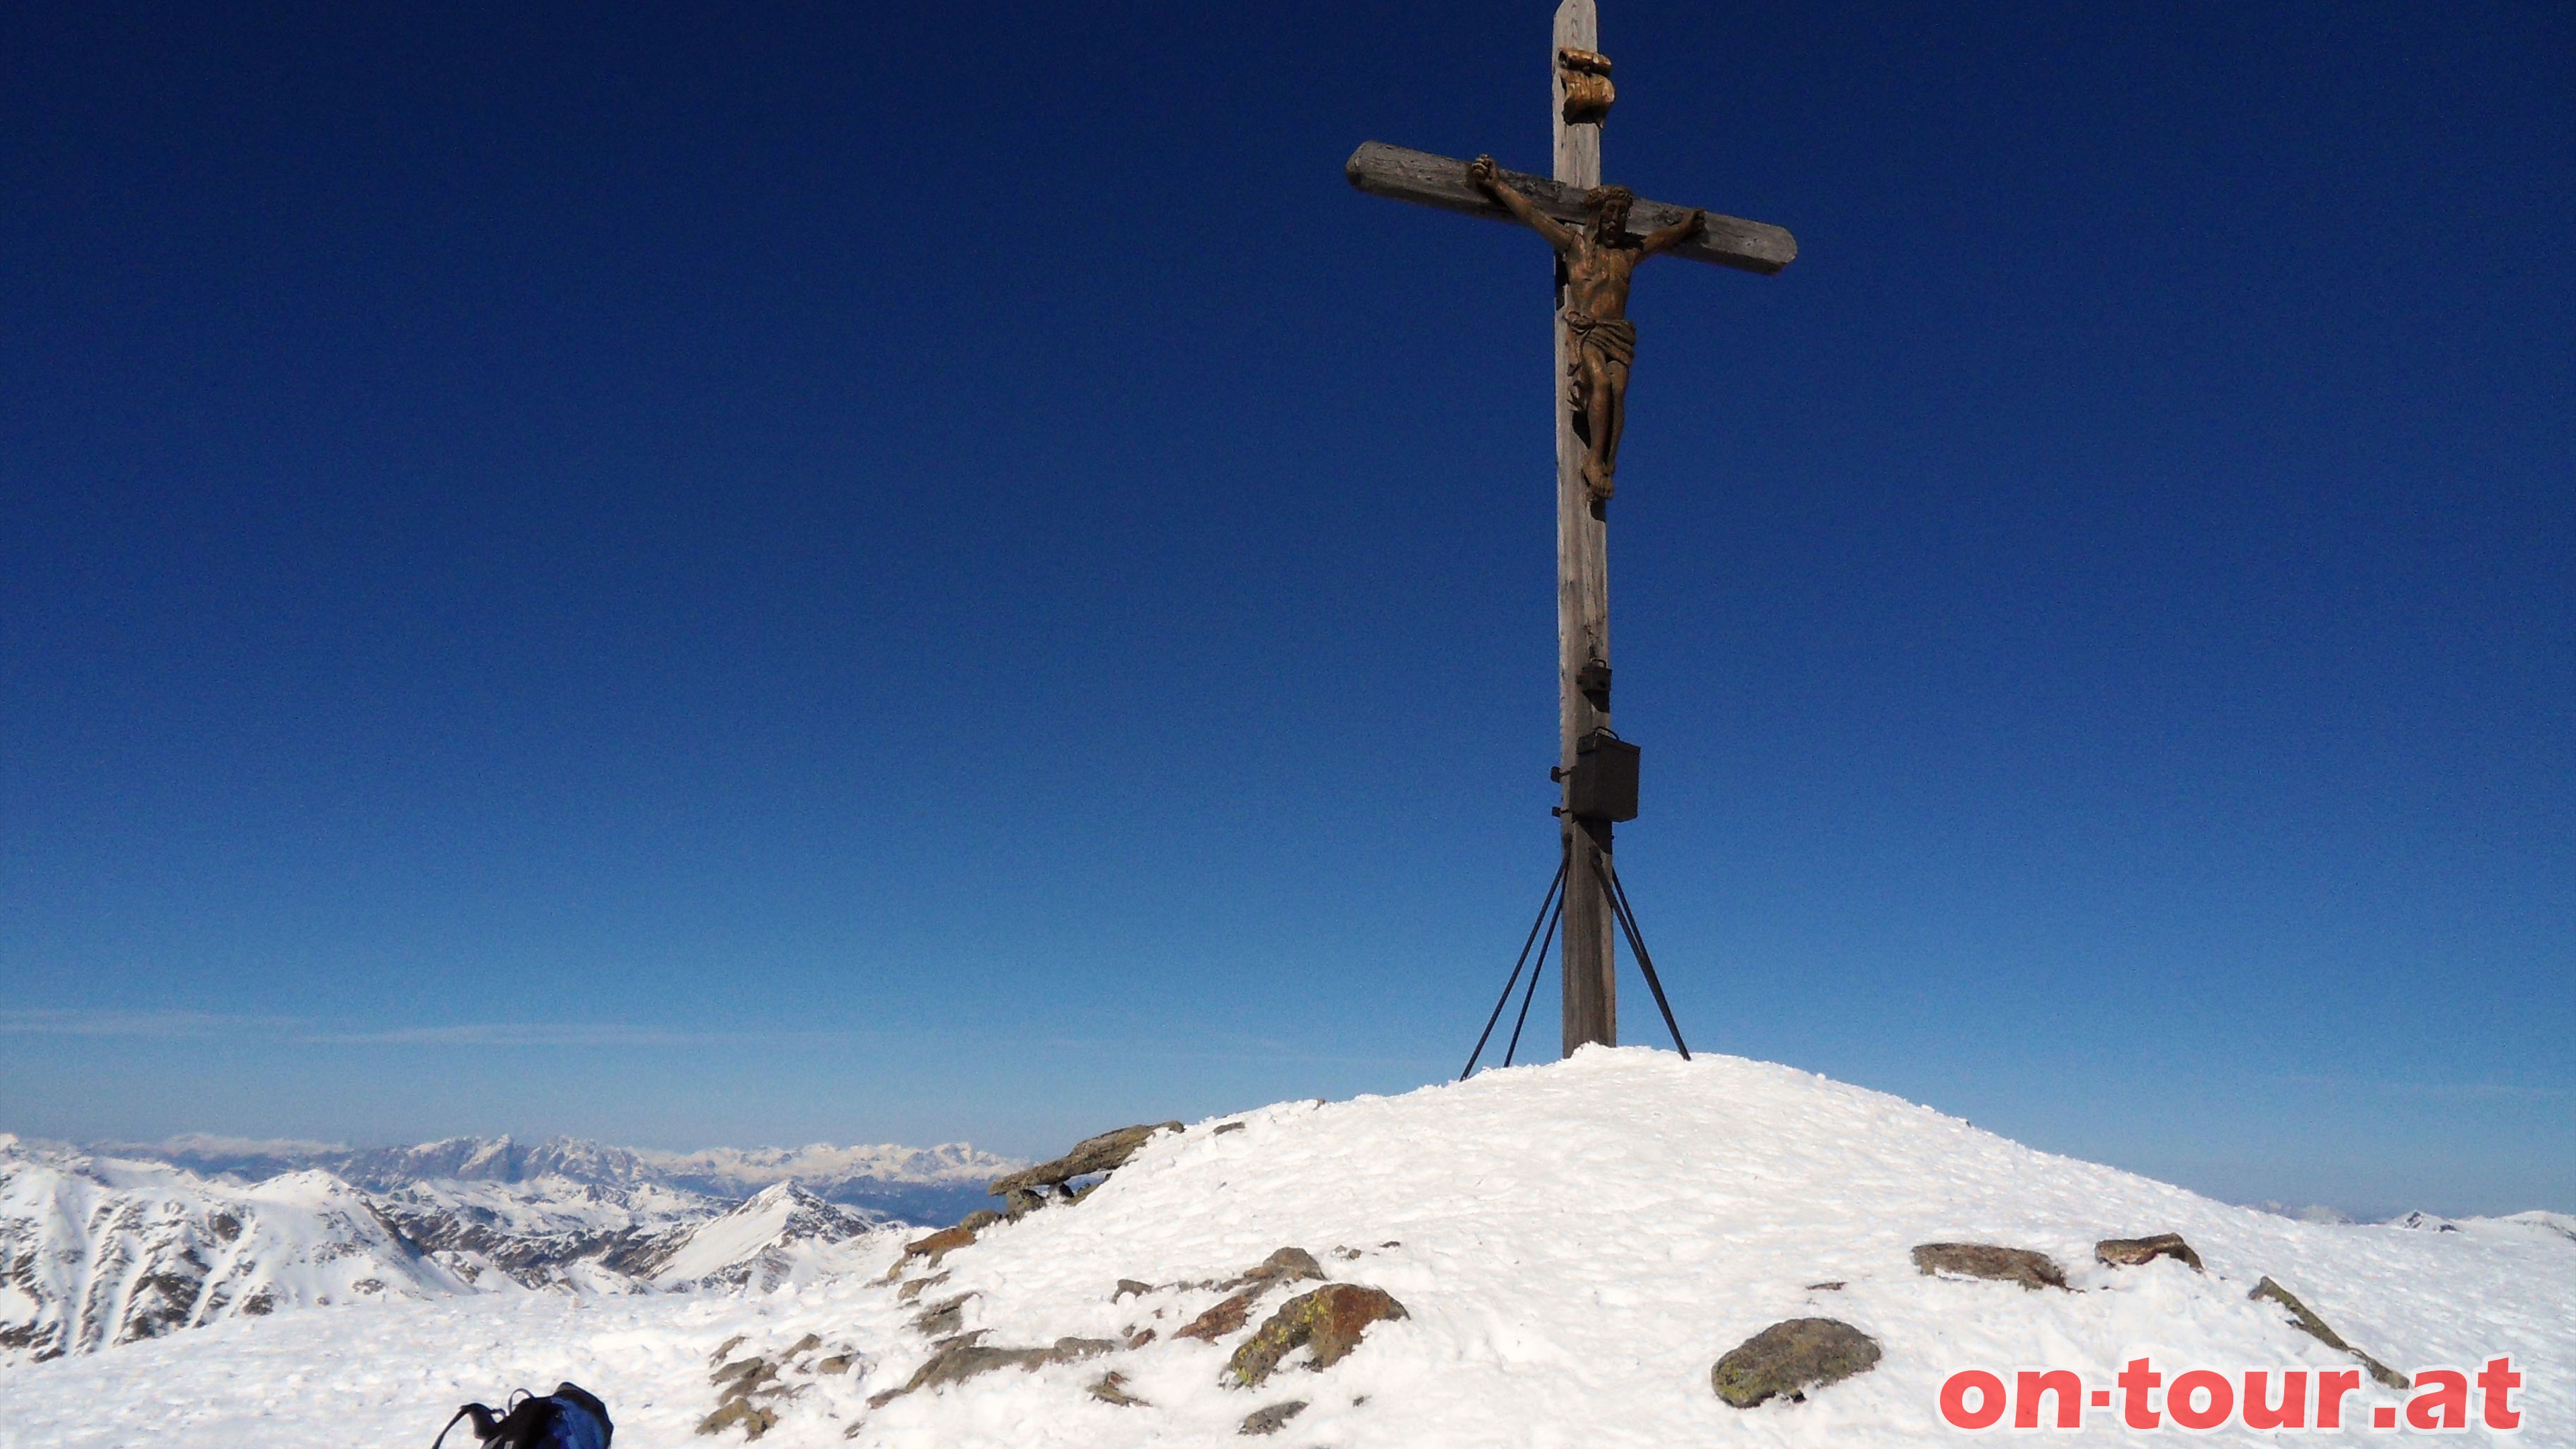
(485, 1425)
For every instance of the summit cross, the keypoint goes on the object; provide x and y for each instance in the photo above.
(1588, 227)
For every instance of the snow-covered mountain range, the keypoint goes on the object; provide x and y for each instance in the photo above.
(916, 1184)
(108, 1246)
(1560, 1254)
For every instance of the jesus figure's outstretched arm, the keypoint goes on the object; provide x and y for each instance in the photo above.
(1664, 239)
(1487, 179)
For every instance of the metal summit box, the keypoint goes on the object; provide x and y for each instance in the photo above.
(1605, 779)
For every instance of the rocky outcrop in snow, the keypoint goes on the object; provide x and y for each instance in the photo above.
(2138, 1252)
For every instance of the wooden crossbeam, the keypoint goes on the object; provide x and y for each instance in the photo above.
(1429, 180)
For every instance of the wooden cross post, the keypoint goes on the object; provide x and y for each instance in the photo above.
(1582, 503)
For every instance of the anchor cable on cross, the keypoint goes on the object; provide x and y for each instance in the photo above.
(1589, 227)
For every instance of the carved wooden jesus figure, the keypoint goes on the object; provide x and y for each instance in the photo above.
(1601, 342)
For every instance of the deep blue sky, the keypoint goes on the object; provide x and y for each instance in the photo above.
(762, 574)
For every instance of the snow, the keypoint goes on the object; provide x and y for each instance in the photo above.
(1576, 1244)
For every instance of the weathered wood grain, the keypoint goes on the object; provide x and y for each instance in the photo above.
(1432, 180)
(1589, 974)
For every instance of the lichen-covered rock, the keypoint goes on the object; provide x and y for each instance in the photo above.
(2315, 1327)
(913, 1289)
(1271, 1419)
(1790, 1358)
(1330, 1319)
(2138, 1252)
(1985, 1260)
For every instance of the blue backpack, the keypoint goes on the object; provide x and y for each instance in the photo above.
(569, 1418)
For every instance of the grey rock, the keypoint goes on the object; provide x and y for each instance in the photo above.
(942, 1318)
(2315, 1327)
(742, 1375)
(2138, 1252)
(1104, 1153)
(1986, 1260)
(1273, 1418)
(1288, 1265)
(1111, 1388)
(962, 1358)
(754, 1419)
(1791, 1358)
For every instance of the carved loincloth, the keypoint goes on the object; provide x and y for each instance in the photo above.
(1614, 340)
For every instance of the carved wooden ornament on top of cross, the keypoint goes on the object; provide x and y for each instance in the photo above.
(1595, 232)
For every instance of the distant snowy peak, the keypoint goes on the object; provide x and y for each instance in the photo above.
(2546, 1226)
(2312, 1213)
(784, 1235)
(2560, 1224)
